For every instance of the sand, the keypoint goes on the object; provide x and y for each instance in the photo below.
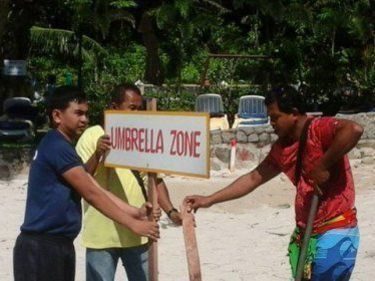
(245, 239)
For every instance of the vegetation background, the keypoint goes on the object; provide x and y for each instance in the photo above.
(325, 47)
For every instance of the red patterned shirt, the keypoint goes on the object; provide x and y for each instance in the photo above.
(338, 192)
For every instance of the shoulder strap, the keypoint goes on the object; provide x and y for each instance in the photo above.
(301, 149)
(140, 182)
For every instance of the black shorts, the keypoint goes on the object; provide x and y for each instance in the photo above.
(43, 257)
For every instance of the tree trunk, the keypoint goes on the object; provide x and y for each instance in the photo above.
(153, 72)
(4, 10)
(80, 60)
(333, 42)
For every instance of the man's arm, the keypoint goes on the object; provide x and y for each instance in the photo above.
(240, 187)
(346, 137)
(103, 145)
(99, 198)
(92, 164)
(138, 213)
(166, 204)
(133, 211)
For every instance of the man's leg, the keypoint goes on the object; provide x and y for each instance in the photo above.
(101, 264)
(42, 258)
(336, 255)
(135, 261)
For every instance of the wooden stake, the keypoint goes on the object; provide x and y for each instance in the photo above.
(306, 238)
(153, 250)
(192, 254)
(232, 162)
(153, 198)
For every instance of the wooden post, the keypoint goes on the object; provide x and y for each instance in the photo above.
(205, 70)
(153, 198)
(192, 254)
(306, 238)
(232, 162)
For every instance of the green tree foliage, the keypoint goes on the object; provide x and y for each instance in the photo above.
(323, 45)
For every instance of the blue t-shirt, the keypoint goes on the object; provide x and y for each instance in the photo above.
(52, 205)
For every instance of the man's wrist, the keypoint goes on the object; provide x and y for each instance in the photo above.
(171, 211)
(211, 200)
(98, 155)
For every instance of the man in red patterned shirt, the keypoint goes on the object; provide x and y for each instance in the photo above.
(334, 244)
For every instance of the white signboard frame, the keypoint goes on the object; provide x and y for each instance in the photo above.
(159, 142)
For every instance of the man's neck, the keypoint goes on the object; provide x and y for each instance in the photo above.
(299, 127)
(68, 137)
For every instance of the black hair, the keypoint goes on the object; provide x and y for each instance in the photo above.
(287, 99)
(61, 98)
(118, 92)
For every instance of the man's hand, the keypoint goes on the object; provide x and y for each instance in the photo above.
(145, 228)
(102, 146)
(197, 201)
(146, 209)
(175, 217)
(318, 177)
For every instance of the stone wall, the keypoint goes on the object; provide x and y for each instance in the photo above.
(365, 149)
(253, 144)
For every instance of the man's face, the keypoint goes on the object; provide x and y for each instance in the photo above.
(73, 120)
(131, 102)
(283, 123)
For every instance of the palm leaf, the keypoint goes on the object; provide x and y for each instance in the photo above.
(121, 15)
(64, 42)
(217, 5)
(123, 4)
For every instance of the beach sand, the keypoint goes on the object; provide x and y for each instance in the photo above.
(245, 239)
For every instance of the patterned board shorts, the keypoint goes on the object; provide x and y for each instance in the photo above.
(336, 252)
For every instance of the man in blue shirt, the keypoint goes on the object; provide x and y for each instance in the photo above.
(44, 250)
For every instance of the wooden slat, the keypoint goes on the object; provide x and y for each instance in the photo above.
(153, 198)
(153, 250)
(191, 247)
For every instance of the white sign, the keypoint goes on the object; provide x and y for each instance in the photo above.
(14, 67)
(167, 142)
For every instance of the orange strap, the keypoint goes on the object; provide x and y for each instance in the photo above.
(347, 219)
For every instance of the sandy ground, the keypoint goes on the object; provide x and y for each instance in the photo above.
(244, 239)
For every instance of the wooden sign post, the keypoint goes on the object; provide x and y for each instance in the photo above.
(153, 198)
(162, 142)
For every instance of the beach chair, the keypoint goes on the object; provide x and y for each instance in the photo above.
(17, 123)
(252, 112)
(213, 104)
